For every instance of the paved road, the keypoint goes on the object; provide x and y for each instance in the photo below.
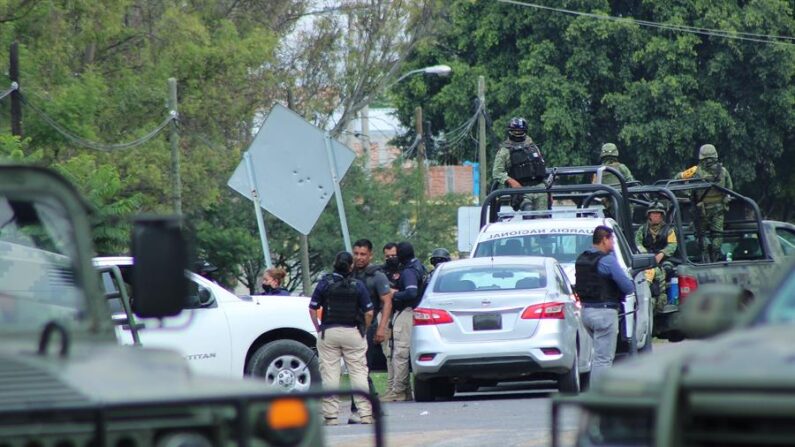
(516, 415)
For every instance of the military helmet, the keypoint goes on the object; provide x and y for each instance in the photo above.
(609, 150)
(707, 151)
(439, 255)
(517, 129)
(656, 207)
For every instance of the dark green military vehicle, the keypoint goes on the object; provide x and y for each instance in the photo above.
(737, 389)
(64, 380)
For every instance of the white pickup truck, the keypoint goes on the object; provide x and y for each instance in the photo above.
(222, 334)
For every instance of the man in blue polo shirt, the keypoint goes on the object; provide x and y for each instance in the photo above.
(602, 286)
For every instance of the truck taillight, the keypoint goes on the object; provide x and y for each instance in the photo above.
(687, 285)
(425, 317)
(546, 311)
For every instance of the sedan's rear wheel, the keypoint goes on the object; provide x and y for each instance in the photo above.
(444, 390)
(423, 390)
(569, 383)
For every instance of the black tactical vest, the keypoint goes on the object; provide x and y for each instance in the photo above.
(527, 164)
(591, 286)
(341, 302)
(655, 244)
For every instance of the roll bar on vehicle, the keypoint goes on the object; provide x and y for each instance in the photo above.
(491, 205)
(693, 185)
(671, 197)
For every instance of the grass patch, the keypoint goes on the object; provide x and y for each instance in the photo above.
(379, 382)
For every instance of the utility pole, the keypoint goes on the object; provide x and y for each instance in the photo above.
(482, 137)
(420, 149)
(175, 177)
(365, 117)
(306, 278)
(16, 106)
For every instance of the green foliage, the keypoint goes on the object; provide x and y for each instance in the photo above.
(581, 82)
(384, 207)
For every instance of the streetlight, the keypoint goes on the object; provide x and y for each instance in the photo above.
(437, 70)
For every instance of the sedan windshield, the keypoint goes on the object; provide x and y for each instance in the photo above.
(470, 279)
(563, 247)
(37, 278)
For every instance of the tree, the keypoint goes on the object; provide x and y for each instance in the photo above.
(659, 94)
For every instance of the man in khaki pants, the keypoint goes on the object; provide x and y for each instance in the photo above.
(347, 311)
(412, 279)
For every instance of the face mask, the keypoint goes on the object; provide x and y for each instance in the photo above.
(267, 288)
(392, 263)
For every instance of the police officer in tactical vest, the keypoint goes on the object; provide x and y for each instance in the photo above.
(657, 237)
(347, 312)
(380, 292)
(438, 256)
(712, 204)
(519, 163)
(602, 286)
(413, 277)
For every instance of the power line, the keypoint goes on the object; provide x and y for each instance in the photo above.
(94, 145)
(737, 35)
(10, 90)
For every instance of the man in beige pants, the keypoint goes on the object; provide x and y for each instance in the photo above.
(347, 311)
(412, 278)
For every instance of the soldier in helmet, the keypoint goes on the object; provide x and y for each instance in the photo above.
(609, 157)
(710, 206)
(519, 163)
(657, 237)
(438, 256)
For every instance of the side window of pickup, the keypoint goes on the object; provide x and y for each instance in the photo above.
(786, 239)
(621, 247)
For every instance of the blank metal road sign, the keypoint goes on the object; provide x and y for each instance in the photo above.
(291, 169)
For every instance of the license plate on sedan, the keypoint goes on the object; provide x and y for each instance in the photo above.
(486, 322)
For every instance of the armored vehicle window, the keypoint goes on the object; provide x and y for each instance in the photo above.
(781, 309)
(786, 238)
(37, 274)
(565, 247)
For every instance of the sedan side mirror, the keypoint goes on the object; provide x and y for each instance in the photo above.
(711, 309)
(643, 262)
(160, 259)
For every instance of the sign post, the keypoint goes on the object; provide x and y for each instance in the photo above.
(263, 235)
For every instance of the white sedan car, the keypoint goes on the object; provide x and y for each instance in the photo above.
(496, 319)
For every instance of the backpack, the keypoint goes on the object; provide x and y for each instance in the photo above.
(422, 283)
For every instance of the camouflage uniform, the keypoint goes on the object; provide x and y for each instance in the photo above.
(713, 205)
(648, 239)
(609, 157)
(501, 167)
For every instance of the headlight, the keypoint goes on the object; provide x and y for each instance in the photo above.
(184, 439)
(284, 422)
